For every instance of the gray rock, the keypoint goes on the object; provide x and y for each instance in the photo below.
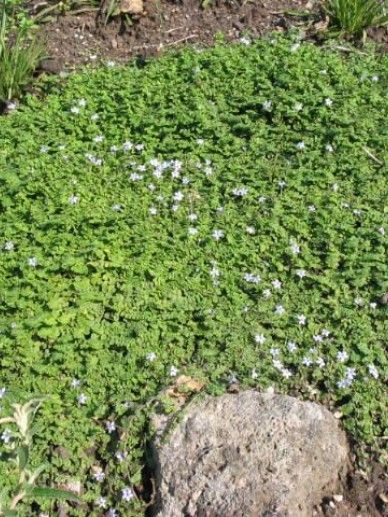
(247, 455)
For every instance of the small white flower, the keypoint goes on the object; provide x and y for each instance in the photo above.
(117, 207)
(263, 199)
(292, 347)
(215, 272)
(114, 148)
(301, 273)
(320, 362)
(245, 41)
(318, 338)
(111, 513)
(323, 72)
(373, 305)
(277, 364)
(173, 371)
(73, 199)
(6, 436)
(325, 332)
(75, 110)
(267, 293)
(192, 217)
(135, 176)
(82, 398)
(335, 187)
(127, 494)
(381, 230)
(127, 146)
(200, 141)
(267, 105)
(301, 319)
(218, 234)
(99, 138)
(359, 301)
(178, 196)
(110, 426)
(298, 106)
(375, 78)
(175, 207)
(343, 383)
(240, 192)
(280, 309)
(101, 502)
(307, 361)
(2, 392)
(274, 352)
(32, 261)
(9, 246)
(185, 181)
(95, 117)
(192, 231)
(82, 103)
(151, 356)
(99, 476)
(329, 148)
(260, 339)
(120, 456)
(75, 383)
(276, 284)
(295, 47)
(251, 278)
(328, 102)
(44, 149)
(295, 249)
(301, 146)
(373, 371)
(110, 64)
(357, 211)
(254, 374)
(312, 208)
(350, 373)
(282, 184)
(342, 356)
(286, 373)
(153, 210)
(250, 230)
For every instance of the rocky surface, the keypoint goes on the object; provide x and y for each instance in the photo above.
(249, 454)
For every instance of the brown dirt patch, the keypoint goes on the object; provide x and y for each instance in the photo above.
(75, 40)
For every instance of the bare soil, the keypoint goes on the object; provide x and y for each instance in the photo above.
(73, 40)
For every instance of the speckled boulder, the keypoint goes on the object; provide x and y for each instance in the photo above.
(249, 454)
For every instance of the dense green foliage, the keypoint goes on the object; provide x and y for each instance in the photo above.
(251, 219)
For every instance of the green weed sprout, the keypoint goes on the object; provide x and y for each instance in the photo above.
(19, 444)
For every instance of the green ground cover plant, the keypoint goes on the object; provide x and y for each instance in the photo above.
(215, 213)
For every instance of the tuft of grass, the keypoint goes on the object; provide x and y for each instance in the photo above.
(352, 17)
(18, 62)
(20, 52)
(216, 213)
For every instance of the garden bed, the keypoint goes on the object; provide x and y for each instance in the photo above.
(217, 213)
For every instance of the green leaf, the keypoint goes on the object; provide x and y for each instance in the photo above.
(54, 493)
(23, 456)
